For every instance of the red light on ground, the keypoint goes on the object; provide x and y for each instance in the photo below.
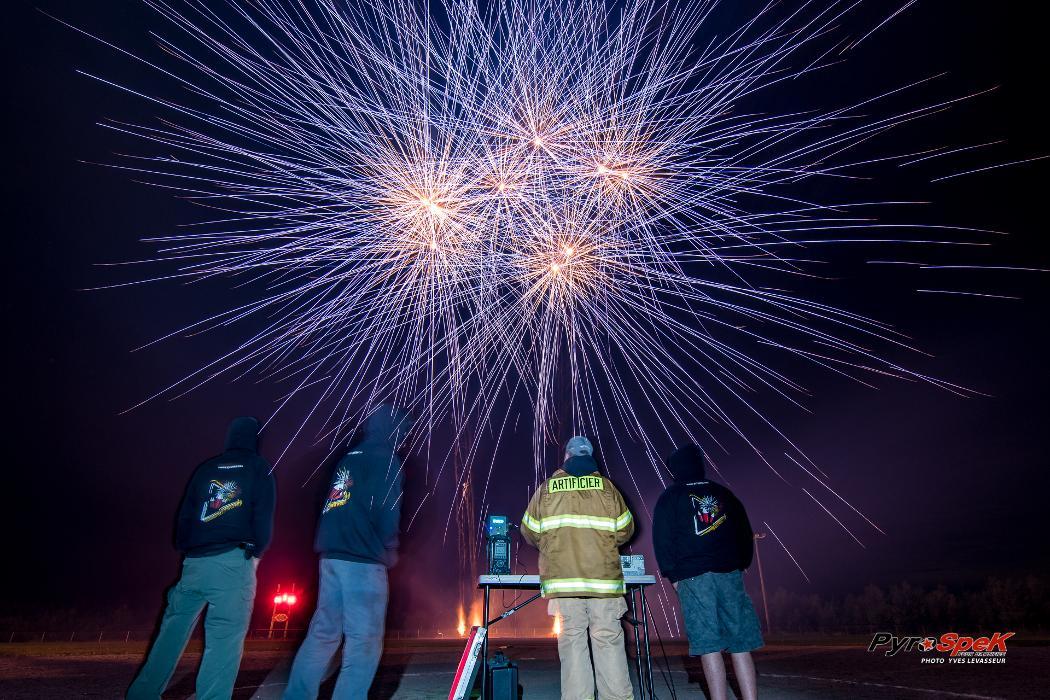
(288, 599)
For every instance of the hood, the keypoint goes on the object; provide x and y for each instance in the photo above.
(581, 465)
(687, 464)
(243, 434)
(387, 426)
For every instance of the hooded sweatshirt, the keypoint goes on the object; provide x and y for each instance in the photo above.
(362, 510)
(229, 501)
(699, 526)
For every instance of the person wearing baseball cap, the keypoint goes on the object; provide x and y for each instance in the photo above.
(578, 446)
(578, 520)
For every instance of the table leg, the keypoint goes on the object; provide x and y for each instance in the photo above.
(637, 648)
(648, 651)
(485, 648)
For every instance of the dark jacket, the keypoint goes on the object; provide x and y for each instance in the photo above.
(230, 498)
(362, 510)
(699, 526)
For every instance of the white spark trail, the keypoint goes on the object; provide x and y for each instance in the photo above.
(787, 551)
(455, 206)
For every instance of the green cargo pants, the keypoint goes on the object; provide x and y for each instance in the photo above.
(225, 584)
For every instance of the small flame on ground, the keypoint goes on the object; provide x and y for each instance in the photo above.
(462, 627)
(557, 625)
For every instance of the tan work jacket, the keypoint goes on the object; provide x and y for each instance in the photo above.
(578, 523)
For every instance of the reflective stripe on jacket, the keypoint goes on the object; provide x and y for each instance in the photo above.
(578, 524)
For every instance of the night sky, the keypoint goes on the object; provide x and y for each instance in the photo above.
(958, 484)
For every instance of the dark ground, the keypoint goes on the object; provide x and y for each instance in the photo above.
(421, 670)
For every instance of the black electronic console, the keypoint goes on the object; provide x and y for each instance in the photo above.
(497, 531)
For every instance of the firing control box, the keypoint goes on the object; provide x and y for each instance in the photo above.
(496, 531)
(632, 564)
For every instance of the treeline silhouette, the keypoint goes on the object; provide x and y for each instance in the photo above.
(1000, 604)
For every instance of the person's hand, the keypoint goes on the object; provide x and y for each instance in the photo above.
(255, 563)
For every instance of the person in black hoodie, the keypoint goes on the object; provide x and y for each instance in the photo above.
(357, 539)
(703, 542)
(224, 525)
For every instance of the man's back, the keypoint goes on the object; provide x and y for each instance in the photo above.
(227, 506)
(362, 509)
(703, 542)
(230, 498)
(700, 527)
(357, 538)
(578, 523)
(578, 520)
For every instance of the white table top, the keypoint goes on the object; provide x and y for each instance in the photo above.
(533, 580)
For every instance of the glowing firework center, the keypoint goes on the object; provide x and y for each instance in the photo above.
(449, 205)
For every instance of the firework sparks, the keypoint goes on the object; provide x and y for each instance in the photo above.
(787, 551)
(449, 207)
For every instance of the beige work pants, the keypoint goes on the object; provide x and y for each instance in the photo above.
(601, 617)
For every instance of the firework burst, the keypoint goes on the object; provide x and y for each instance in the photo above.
(453, 205)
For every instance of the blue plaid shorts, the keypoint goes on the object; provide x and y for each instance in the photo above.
(718, 614)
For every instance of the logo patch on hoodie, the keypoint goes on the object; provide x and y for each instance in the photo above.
(706, 518)
(223, 496)
(339, 494)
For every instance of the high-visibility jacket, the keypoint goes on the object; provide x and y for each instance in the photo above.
(578, 523)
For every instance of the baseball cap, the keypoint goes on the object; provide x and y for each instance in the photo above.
(579, 446)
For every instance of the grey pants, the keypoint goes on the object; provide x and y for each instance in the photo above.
(225, 584)
(351, 608)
